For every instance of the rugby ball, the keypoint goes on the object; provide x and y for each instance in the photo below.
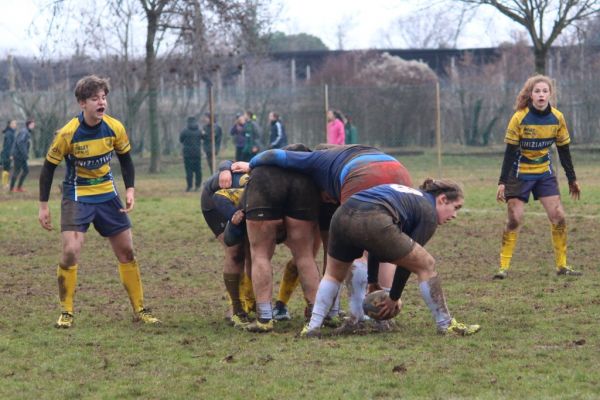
(373, 300)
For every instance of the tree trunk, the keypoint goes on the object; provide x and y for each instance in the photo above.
(541, 54)
(152, 86)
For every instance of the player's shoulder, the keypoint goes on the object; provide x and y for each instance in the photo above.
(67, 131)
(520, 114)
(113, 123)
(557, 113)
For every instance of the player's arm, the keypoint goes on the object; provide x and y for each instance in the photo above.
(510, 156)
(564, 154)
(372, 273)
(45, 185)
(128, 173)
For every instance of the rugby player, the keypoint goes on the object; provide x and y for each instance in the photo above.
(274, 196)
(527, 169)
(90, 195)
(392, 222)
(237, 282)
(339, 172)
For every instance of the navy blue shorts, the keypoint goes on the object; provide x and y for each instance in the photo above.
(107, 219)
(520, 189)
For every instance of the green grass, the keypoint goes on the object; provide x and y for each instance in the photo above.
(540, 336)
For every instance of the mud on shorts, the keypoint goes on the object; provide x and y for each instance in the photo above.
(373, 174)
(357, 226)
(521, 189)
(273, 193)
(106, 217)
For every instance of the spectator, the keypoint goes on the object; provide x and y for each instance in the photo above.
(20, 155)
(239, 139)
(190, 138)
(335, 128)
(9, 138)
(278, 137)
(252, 134)
(350, 131)
(206, 140)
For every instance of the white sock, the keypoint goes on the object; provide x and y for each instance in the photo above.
(356, 283)
(323, 302)
(432, 293)
(335, 308)
(264, 310)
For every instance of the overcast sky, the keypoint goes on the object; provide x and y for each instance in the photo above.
(365, 23)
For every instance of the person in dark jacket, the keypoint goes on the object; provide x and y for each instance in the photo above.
(206, 140)
(252, 134)
(190, 139)
(278, 138)
(238, 134)
(9, 138)
(20, 155)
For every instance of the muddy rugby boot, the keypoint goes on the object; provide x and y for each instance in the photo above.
(146, 317)
(281, 312)
(260, 327)
(460, 329)
(501, 274)
(65, 321)
(310, 333)
(240, 321)
(566, 270)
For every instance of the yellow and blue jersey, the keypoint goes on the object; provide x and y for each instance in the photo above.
(535, 132)
(87, 152)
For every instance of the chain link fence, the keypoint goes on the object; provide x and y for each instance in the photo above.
(388, 117)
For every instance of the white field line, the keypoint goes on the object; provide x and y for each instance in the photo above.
(534, 213)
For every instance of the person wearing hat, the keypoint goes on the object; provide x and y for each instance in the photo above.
(190, 139)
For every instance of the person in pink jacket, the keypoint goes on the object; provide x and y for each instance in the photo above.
(335, 128)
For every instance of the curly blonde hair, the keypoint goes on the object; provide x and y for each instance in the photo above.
(524, 97)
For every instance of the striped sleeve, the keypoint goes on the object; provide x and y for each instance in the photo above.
(121, 143)
(59, 147)
(512, 131)
(562, 135)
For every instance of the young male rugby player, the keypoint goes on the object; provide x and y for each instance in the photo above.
(90, 195)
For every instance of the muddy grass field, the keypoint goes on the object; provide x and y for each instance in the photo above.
(540, 334)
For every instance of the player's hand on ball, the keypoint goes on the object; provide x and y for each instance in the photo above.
(378, 305)
(389, 308)
(373, 287)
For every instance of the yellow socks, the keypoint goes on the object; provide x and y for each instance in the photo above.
(289, 282)
(5, 177)
(130, 277)
(247, 293)
(559, 242)
(67, 281)
(509, 241)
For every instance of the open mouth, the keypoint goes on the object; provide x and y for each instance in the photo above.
(100, 110)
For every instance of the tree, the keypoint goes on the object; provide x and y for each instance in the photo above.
(534, 15)
(193, 30)
(279, 41)
(418, 32)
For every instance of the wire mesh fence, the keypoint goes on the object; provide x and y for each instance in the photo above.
(470, 114)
